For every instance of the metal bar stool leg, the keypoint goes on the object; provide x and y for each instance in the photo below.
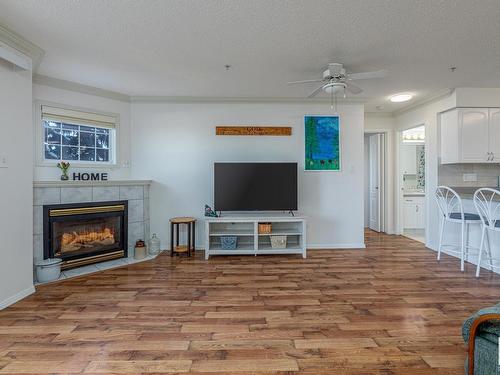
(441, 238)
(462, 252)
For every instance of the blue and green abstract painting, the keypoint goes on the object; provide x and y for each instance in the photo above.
(322, 140)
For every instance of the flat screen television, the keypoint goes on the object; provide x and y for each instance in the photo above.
(255, 186)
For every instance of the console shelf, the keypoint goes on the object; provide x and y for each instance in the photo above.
(250, 241)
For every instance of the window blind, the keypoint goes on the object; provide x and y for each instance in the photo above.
(77, 117)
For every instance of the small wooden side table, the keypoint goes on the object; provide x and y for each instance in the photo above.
(191, 235)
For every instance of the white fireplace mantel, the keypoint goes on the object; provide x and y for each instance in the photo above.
(91, 183)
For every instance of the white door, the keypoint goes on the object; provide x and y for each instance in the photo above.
(475, 135)
(374, 185)
(494, 134)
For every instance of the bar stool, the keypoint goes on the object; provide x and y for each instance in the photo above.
(452, 211)
(191, 235)
(487, 202)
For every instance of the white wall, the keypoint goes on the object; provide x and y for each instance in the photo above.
(16, 185)
(175, 145)
(54, 95)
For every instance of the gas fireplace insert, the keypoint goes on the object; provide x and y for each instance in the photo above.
(85, 233)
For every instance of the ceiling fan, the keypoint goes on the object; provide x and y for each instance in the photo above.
(337, 81)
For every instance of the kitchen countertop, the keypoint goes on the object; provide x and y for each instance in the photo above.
(468, 191)
(413, 194)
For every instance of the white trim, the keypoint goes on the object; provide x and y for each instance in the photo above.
(227, 100)
(13, 56)
(22, 45)
(359, 245)
(40, 160)
(91, 183)
(78, 87)
(17, 297)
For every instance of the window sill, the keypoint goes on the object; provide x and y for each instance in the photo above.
(80, 165)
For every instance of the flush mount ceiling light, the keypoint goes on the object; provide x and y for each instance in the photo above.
(400, 98)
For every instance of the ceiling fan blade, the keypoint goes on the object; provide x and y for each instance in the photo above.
(306, 81)
(353, 89)
(315, 92)
(368, 75)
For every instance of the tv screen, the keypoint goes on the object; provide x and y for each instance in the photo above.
(255, 186)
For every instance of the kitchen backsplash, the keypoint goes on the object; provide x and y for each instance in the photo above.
(452, 175)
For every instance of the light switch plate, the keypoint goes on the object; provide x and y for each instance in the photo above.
(4, 162)
(469, 177)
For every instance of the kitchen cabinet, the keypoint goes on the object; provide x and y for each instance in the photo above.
(414, 213)
(470, 135)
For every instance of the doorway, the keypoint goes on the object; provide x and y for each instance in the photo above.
(374, 181)
(412, 183)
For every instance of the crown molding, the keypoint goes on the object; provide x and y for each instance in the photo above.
(78, 87)
(90, 90)
(20, 44)
(237, 100)
(379, 114)
(424, 101)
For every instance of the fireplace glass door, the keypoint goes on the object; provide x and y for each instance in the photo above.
(78, 237)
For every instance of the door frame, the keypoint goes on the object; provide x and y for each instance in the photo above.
(383, 209)
(399, 180)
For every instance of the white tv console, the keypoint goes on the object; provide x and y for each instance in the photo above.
(250, 241)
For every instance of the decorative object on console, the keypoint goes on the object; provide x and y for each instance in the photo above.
(228, 242)
(278, 242)
(322, 143)
(140, 250)
(265, 228)
(48, 269)
(154, 245)
(190, 222)
(253, 130)
(64, 166)
(209, 212)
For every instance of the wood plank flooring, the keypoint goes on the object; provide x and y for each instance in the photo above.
(389, 309)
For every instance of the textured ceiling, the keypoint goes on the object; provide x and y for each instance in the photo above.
(180, 47)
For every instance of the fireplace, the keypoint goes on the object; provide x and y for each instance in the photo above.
(85, 233)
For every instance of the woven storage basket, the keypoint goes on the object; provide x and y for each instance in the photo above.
(228, 242)
(278, 242)
(265, 228)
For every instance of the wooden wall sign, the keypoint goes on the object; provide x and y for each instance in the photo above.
(253, 130)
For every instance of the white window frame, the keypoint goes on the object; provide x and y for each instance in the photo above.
(39, 138)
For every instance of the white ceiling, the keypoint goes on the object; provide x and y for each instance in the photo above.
(180, 47)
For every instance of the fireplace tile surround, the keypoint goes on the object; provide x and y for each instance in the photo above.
(136, 192)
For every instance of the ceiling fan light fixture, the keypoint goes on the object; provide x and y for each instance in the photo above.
(334, 88)
(401, 97)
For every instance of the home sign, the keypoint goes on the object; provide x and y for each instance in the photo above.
(77, 176)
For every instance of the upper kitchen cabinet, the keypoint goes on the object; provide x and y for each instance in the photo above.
(470, 135)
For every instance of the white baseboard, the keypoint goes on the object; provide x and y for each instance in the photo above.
(360, 245)
(322, 246)
(17, 297)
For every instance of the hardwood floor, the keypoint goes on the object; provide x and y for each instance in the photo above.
(389, 309)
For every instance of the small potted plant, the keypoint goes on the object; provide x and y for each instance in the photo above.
(64, 166)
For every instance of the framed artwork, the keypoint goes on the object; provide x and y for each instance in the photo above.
(322, 143)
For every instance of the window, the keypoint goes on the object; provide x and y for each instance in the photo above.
(77, 136)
